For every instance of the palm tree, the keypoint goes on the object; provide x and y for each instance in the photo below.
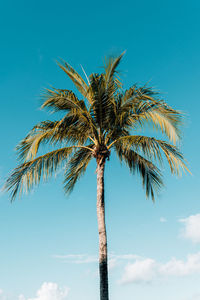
(104, 119)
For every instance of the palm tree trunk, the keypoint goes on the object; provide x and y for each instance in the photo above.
(103, 267)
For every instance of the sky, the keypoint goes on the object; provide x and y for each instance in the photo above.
(49, 242)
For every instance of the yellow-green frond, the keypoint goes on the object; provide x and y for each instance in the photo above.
(149, 173)
(140, 106)
(153, 149)
(57, 99)
(110, 67)
(76, 167)
(75, 77)
(28, 174)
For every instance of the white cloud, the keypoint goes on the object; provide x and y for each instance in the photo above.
(146, 270)
(2, 295)
(191, 228)
(49, 291)
(139, 271)
(163, 220)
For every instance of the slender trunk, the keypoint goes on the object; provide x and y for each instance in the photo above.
(103, 267)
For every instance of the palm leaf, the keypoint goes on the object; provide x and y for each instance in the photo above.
(57, 99)
(69, 130)
(100, 101)
(149, 173)
(153, 148)
(140, 106)
(75, 77)
(76, 167)
(110, 67)
(28, 174)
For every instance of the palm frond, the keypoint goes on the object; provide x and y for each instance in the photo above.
(76, 167)
(167, 120)
(153, 149)
(41, 133)
(58, 99)
(100, 101)
(69, 130)
(28, 174)
(75, 77)
(140, 106)
(149, 173)
(110, 67)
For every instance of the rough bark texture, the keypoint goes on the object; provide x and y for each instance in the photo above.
(103, 266)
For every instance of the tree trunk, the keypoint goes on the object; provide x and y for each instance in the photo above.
(103, 267)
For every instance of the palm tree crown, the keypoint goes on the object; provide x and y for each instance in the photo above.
(105, 119)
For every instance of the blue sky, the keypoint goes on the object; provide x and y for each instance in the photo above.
(49, 243)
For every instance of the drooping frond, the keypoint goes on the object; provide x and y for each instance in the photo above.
(149, 173)
(153, 149)
(76, 167)
(24, 177)
(163, 117)
(41, 133)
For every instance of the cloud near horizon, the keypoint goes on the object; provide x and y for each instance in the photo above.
(49, 291)
(147, 270)
(140, 269)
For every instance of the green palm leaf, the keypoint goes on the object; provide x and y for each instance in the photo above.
(57, 99)
(153, 148)
(75, 77)
(149, 173)
(30, 173)
(76, 167)
(143, 107)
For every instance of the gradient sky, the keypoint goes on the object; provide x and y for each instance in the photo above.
(49, 243)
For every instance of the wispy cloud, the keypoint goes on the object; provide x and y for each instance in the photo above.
(77, 258)
(191, 229)
(86, 258)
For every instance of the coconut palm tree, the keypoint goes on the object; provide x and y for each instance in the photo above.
(105, 119)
